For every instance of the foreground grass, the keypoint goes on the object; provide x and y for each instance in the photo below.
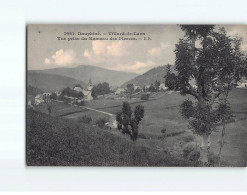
(56, 141)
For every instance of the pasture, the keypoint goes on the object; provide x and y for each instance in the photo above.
(164, 114)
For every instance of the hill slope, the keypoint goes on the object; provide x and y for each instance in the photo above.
(155, 74)
(51, 82)
(57, 141)
(97, 74)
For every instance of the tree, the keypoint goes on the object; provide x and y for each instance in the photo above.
(80, 95)
(171, 81)
(53, 96)
(130, 89)
(152, 88)
(100, 89)
(128, 122)
(214, 67)
(156, 85)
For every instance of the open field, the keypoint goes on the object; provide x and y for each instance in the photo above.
(163, 113)
(57, 141)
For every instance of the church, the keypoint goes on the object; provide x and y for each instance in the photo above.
(86, 92)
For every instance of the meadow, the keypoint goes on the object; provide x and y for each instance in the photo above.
(53, 141)
(164, 114)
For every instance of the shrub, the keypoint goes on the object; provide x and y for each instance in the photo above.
(101, 122)
(128, 121)
(145, 96)
(80, 103)
(142, 136)
(188, 138)
(85, 119)
(67, 101)
(163, 130)
(191, 152)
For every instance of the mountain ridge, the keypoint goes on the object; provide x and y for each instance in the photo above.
(95, 73)
(51, 82)
(149, 77)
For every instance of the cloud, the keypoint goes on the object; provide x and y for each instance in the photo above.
(138, 66)
(99, 47)
(104, 49)
(116, 48)
(87, 53)
(157, 51)
(61, 58)
(47, 61)
(64, 57)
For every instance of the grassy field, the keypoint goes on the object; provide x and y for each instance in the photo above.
(57, 141)
(235, 148)
(164, 113)
(159, 114)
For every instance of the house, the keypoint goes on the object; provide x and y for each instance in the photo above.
(47, 96)
(87, 95)
(30, 101)
(58, 93)
(86, 92)
(78, 88)
(38, 99)
(90, 85)
(163, 87)
(119, 91)
(137, 87)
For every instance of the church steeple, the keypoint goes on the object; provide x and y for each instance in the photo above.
(90, 85)
(90, 81)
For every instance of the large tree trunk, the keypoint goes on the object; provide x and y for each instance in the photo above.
(222, 140)
(204, 148)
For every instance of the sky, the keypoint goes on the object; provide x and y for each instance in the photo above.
(45, 50)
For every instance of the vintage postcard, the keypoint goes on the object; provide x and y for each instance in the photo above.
(136, 95)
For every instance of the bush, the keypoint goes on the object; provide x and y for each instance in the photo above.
(67, 101)
(101, 122)
(163, 130)
(191, 152)
(188, 138)
(145, 97)
(142, 136)
(80, 103)
(85, 119)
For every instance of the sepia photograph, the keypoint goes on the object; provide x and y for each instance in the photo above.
(136, 95)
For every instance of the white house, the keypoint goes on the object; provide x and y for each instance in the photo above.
(78, 89)
(38, 99)
(87, 94)
(119, 91)
(163, 86)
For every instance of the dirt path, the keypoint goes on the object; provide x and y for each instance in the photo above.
(84, 107)
(107, 113)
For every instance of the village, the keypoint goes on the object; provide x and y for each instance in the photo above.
(85, 94)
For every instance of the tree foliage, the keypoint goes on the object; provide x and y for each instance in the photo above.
(214, 67)
(128, 121)
(171, 80)
(100, 89)
(130, 89)
(72, 93)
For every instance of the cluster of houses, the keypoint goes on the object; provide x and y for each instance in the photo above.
(120, 91)
(86, 92)
(46, 97)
